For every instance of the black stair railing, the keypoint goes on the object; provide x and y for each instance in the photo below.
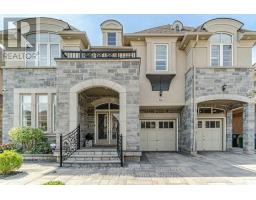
(120, 148)
(69, 143)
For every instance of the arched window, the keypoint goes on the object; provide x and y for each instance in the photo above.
(47, 46)
(221, 49)
(107, 106)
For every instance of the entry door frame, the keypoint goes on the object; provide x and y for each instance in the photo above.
(224, 132)
(109, 118)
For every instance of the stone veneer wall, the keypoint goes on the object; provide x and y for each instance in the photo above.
(22, 78)
(125, 73)
(209, 81)
(186, 116)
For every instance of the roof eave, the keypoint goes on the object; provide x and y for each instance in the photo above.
(192, 36)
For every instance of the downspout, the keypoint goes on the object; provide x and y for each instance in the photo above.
(194, 96)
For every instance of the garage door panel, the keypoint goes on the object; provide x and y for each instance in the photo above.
(209, 135)
(159, 137)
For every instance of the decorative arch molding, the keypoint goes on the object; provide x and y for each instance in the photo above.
(97, 83)
(103, 100)
(224, 97)
(73, 102)
(222, 22)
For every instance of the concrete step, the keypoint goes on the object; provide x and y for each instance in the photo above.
(82, 152)
(93, 157)
(86, 164)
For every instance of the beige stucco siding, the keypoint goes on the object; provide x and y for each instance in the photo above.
(175, 95)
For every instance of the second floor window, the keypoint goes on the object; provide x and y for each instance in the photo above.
(112, 39)
(48, 48)
(161, 57)
(221, 50)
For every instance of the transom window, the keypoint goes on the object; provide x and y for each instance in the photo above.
(221, 49)
(48, 48)
(107, 106)
(161, 57)
(112, 38)
(210, 110)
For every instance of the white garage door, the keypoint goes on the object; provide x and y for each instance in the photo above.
(209, 135)
(158, 135)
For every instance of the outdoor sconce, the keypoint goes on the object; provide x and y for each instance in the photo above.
(224, 87)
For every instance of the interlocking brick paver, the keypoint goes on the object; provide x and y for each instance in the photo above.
(159, 168)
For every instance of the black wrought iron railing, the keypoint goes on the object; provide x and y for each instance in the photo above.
(120, 148)
(99, 54)
(69, 143)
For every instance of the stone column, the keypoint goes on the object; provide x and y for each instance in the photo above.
(248, 127)
(229, 130)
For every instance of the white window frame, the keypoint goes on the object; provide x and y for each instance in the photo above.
(37, 110)
(53, 112)
(115, 39)
(167, 57)
(21, 108)
(221, 49)
(48, 51)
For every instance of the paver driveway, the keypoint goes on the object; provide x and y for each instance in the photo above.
(155, 168)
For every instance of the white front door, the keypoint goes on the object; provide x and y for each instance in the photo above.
(209, 135)
(158, 135)
(107, 127)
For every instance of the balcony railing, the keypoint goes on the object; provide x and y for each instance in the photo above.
(99, 54)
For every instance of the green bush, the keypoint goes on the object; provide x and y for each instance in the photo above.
(29, 140)
(54, 183)
(10, 161)
(4, 147)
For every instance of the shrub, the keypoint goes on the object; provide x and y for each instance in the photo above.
(54, 183)
(4, 147)
(42, 147)
(29, 140)
(10, 161)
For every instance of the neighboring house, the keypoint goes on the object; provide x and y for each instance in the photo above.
(168, 88)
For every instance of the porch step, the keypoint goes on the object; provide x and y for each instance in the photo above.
(96, 152)
(87, 164)
(94, 157)
(80, 157)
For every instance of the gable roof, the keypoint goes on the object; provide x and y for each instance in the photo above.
(166, 29)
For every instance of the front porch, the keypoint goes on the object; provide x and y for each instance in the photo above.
(98, 115)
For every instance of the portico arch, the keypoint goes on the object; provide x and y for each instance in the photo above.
(230, 102)
(73, 102)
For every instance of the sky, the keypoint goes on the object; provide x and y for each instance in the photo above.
(132, 23)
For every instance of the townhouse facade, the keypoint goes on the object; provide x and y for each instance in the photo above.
(167, 88)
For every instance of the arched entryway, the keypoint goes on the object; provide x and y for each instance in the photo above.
(215, 130)
(99, 106)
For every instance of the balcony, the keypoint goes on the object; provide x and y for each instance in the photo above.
(99, 54)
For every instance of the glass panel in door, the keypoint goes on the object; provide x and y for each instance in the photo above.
(102, 128)
(114, 128)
